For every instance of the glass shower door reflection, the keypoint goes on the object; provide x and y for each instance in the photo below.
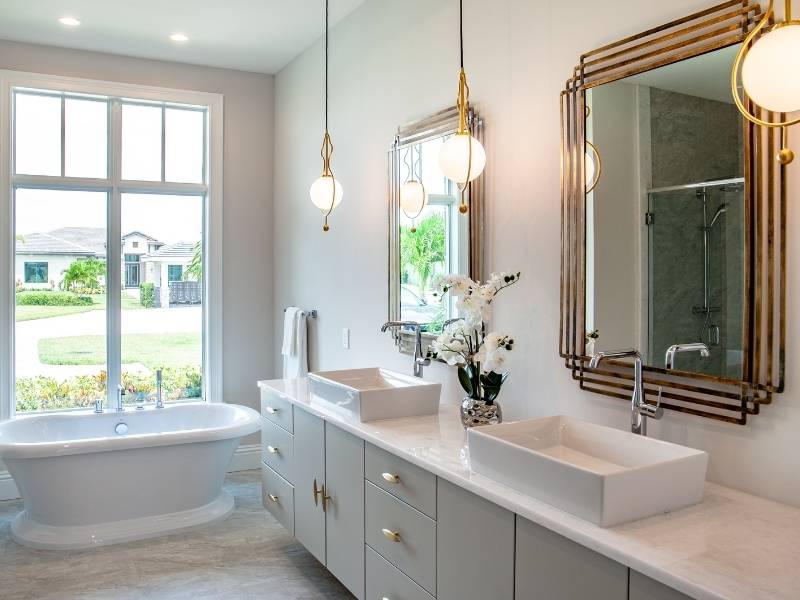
(696, 275)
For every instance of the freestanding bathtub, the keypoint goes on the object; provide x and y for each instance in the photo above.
(94, 479)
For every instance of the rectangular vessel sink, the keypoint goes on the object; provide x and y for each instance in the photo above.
(604, 475)
(374, 393)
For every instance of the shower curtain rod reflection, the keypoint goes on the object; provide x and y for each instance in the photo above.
(694, 186)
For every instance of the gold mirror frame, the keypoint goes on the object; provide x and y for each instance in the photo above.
(441, 123)
(764, 314)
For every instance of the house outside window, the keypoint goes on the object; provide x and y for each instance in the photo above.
(175, 273)
(36, 272)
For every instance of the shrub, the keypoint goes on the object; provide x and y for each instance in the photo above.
(45, 298)
(46, 393)
(147, 294)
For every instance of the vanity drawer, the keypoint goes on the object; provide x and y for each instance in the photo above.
(276, 407)
(384, 581)
(402, 535)
(400, 478)
(277, 449)
(277, 495)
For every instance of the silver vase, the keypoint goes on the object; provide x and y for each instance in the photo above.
(475, 413)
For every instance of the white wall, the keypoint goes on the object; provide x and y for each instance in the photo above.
(395, 61)
(248, 140)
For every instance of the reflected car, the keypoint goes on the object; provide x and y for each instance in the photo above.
(415, 308)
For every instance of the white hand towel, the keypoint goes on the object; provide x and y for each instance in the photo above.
(290, 317)
(296, 365)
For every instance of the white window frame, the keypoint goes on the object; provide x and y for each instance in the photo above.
(212, 250)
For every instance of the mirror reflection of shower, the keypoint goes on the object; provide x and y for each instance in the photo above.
(696, 279)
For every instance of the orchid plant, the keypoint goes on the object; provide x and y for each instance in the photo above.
(481, 357)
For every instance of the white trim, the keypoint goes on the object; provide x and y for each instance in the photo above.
(213, 297)
(246, 458)
(8, 489)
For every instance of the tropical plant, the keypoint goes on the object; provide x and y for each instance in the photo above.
(50, 298)
(147, 294)
(84, 274)
(422, 249)
(194, 270)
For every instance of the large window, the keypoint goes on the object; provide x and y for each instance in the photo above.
(92, 167)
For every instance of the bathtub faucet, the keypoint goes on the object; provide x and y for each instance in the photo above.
(120, 396)
(159, 391)
(98, 406)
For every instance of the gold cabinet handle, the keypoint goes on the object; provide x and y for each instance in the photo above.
(318, 492)
(272, 450)
(391, 478)
(273, 497)
(271, 410)
(392, 535)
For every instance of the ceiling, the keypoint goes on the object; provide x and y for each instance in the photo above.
(705, 76)
(249, 35)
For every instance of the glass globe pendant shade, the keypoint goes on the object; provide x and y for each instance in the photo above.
(590, 168)
(323, 190)
(454, 158)
(412, 198)
(770, 70)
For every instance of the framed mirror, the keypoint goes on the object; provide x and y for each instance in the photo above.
(673, 221)
(428, 235)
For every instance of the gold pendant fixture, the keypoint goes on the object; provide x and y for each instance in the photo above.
(462, 157)
(326, 192)
(413, 196)
(769, 68)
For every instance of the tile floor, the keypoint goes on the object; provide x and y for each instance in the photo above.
(248, 556)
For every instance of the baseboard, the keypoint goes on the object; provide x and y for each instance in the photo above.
(246, 458)
(8, 489)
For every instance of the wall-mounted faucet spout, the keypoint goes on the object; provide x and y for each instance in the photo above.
(669, 359)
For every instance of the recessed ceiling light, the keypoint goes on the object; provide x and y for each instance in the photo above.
(179, 37)
(69, 21)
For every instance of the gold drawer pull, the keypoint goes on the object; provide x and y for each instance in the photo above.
(273, 497)
(272, 450)
(392, 535)
(391, 478)
(272, 410)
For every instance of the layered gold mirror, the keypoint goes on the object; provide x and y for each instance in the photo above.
(673, 221)
(428, 235)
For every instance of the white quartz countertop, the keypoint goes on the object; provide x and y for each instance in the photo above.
(731, 546)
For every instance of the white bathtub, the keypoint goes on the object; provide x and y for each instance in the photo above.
(83, 484)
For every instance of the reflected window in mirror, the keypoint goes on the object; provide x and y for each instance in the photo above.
(432, 239)
(666, 232)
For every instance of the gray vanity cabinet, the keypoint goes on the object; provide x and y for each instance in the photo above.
(474, 547)
(551, 567)
(643, 588)
(309, 474)
(344, 517)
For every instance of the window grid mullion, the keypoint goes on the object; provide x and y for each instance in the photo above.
(163, 143)
(113, 255)
(63, 137)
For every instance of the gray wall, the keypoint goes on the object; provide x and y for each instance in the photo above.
(247, 216)
(392, 62)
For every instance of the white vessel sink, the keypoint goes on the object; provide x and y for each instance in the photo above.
(374, 393)
(600, 474)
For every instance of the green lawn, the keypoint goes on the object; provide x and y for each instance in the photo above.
(31, 313)
(154, 350)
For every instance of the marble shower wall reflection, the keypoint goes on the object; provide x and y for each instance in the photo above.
(665, 237)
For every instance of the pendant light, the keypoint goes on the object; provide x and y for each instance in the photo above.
(462, 157)
(413, 197)
(326, 192)
(769, 73)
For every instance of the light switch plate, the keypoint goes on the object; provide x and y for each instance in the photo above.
(346, 338)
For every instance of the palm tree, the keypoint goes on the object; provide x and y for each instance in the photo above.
(195, 268)
(423, 248)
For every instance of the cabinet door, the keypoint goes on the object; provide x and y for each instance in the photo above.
(551, 567)
(344, 483)
(644, 588)
(474, 547)
(309, 467)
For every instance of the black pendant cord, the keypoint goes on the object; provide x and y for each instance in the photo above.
(326, 65)
(461, 30)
